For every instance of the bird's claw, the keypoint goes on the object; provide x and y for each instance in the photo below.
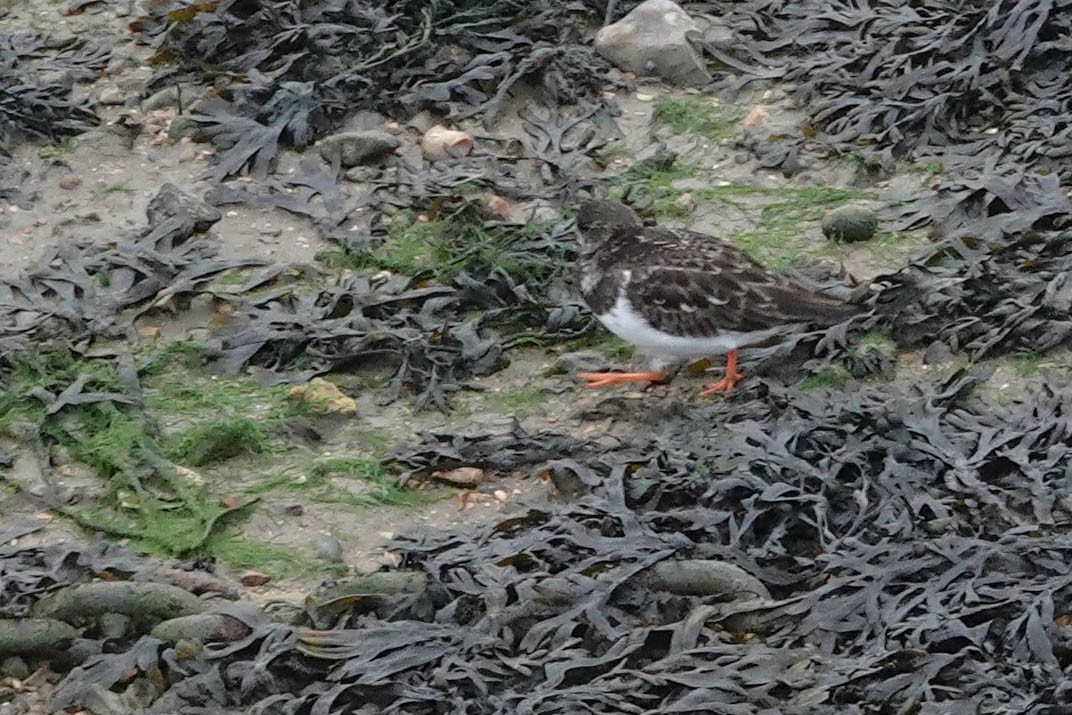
(728, 381)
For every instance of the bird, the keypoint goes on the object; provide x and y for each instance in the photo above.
(678, 296)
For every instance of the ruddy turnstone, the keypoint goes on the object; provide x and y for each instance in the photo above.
(681, 295)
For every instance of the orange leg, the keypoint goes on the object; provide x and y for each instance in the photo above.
(729, 380)
(603, 379)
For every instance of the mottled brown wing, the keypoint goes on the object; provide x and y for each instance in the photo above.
(697, 302)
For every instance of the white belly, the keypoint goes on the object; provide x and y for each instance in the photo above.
(630, 326)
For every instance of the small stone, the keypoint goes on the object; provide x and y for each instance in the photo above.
(655, 39)
(15, 667)
(254, 578)
(757, 117)
(111, 96)
(113, 626)
(182, 127)
(937, 353)
(367, 146)
(60, 456)
(706, 577)
(361, 174)
(500, 495)
(165, 98)
(496, 205)
(324, 397)
(850, 224)
(294, 509)
(461, 477)
(100, 701)
(170, 202)
(186, 648)
(327, 548)
(64, 79)
(686, 201)
(70, 182)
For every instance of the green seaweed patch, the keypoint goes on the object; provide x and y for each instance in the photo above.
(652, 190)
(177, 387)
(61, 148)
(145, 496)
(931, 168)
(1028, 364)
(354, 480)
(218, 440)
(174, 524)
(781, 235)
(444, 247)
(697, 115)
(519, 402)
(279, 562)
(828, 377)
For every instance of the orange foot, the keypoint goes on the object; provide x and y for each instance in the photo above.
(603, 379)
(729, 381)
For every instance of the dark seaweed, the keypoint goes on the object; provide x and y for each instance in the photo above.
(35, 89)
(982, 88)
(913, 539)
(295, 70)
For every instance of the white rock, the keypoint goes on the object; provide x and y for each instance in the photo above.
(654, 39)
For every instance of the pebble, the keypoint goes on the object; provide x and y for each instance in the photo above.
(294, 509)
(358, 148)
(113, 626)
(15, 667)
(167, 97)
(111, 96)
(70, 182)
(461, 477)
(255, 578)
(361, 174)
(757, 117)
(327, 548)
(686, 201)
(183, 127)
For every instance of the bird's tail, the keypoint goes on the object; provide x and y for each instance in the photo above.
(906, 291)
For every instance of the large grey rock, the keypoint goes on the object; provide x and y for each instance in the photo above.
(361, 147)
(654, 40)
(171, 204)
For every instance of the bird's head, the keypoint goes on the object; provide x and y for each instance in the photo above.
(597, 219)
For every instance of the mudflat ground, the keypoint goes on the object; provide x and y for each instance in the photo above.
(280, 491)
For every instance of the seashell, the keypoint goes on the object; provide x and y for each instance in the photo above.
(441, 143)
